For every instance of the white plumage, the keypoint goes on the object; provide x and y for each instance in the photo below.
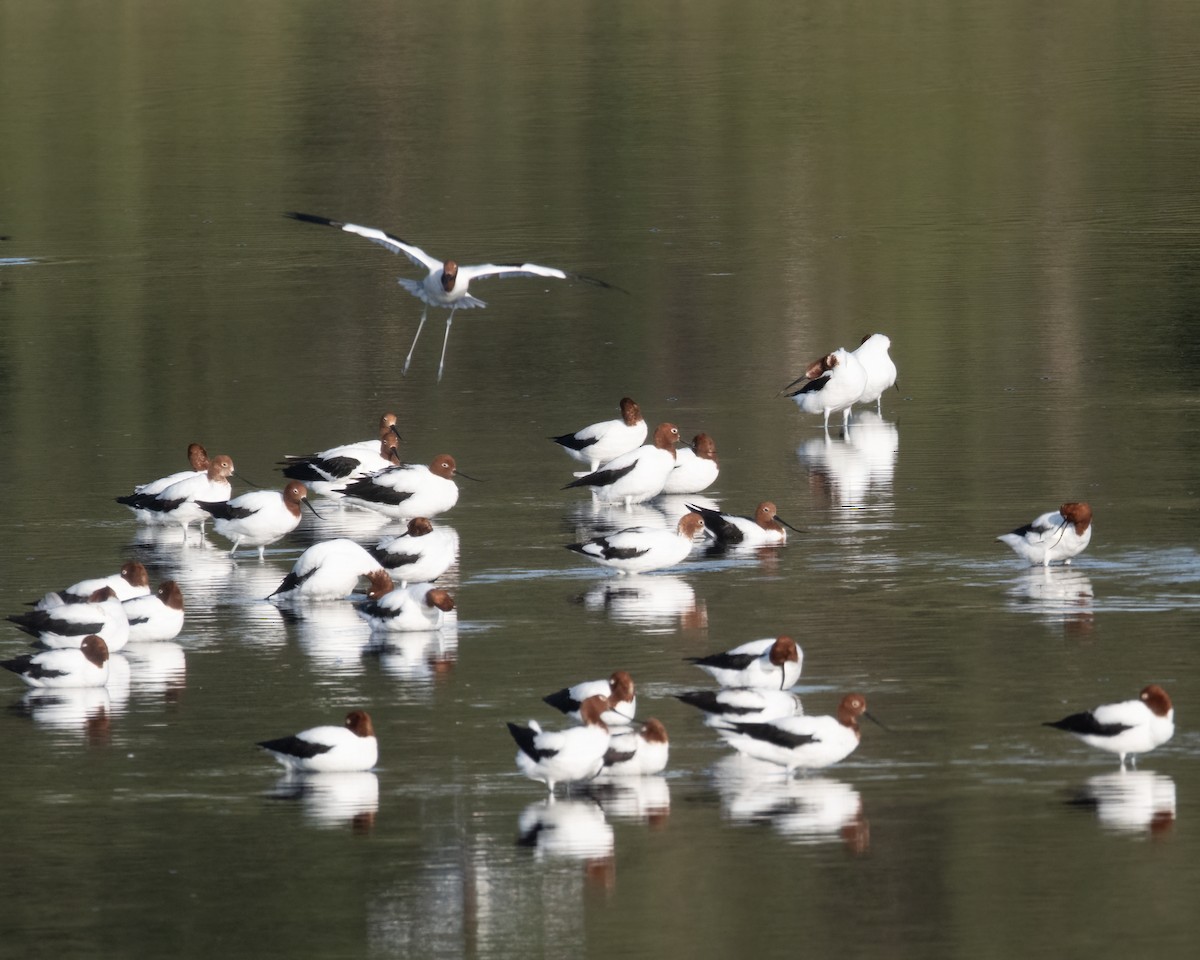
(1058, 535)
(345, 749)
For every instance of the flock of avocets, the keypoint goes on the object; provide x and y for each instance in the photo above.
(752, 709)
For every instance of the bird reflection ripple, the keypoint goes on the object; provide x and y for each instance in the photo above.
(565, 828)
(804, 809)
(1130, 801)
(656, 603)
(331, 799)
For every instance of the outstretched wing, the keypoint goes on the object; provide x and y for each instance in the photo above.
(395, 244)
(502, 270)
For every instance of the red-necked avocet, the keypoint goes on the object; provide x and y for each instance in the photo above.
(638, 549)
(329, 570)
(1058, 535)
(598, 443)
(834, 384)
(410, 489)
(82, 666)
(802, 742)
(728, 529)
(157, 616)
(696, 467)
(346, 749)
(1130, 727)
(618, 689)
(773, 662)
(446, 283)
(260, 517)
(564, 756)
(635, 476)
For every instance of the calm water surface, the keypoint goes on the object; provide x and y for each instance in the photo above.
(1009, 192)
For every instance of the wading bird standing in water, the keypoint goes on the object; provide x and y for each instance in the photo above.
(446, 283)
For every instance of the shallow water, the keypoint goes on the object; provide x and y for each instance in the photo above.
(1009, 194)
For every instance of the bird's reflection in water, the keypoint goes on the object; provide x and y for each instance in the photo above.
(424, 657)
(655, 602)
(157, 668)
(574, 828)
(87, 711)
(1059, 594)
(811, 809)
(1130, 801)
(640, 799)
(860, 465)
(331, 633)
(333, 799)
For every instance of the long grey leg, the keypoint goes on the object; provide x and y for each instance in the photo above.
(408, 359)
(446, 340)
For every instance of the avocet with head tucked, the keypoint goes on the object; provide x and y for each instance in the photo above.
(446, 283)
(773, 662)
(696, 467)
(1058, 535)
(564, 756)
(873, 354)
(130, 581)
(1130, 727)
(834, 384)
(638, 549)
(324, 472)
(410, 489)
(349, 748)
(82, 666)
(328, 570)
(598, 443)
(618, 690)
(420, 553)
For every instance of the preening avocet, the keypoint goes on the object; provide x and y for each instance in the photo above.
(197, 457)
(563, 756)
(328, 570)
(637, 752)
(1130, 727)
(345, 749)
(421, 606)
(158, 616)
(82, 666)
(638, 549)
(598, 443)
(68, 625)
(635, 476)
(446, 283)
(773, 662)
(1058, 535)
(802, 742)
(873, 354)
(696, 467)
(177, 503)
(130, 581)
(742, 704)
(330, 469)
(766, 526)
(835, 382)
(410, 489)
(420, 553)
(618, 690)
(260, 517)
